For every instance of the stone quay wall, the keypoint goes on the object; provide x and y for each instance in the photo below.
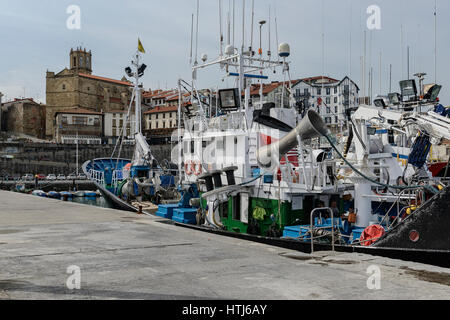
(18, 158)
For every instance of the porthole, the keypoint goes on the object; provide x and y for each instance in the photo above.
(414, 236)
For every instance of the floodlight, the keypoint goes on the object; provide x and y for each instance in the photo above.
(229, 99)
(433, 93)
(141, 70)
(379, 103)
(408, 87)
(395, 98)
(128, 71)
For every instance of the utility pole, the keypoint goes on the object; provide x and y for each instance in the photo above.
(390, 78)
(435, 41)
(1, 95)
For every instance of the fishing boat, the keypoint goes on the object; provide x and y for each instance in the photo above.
(54, 195)
(78, 194)
(39, 193)
(66, 194)
(90, 194)
(135, 184)
(257, 170)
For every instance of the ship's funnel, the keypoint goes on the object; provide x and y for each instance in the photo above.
(312, 126)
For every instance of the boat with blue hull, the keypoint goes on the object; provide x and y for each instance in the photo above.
(136, 184)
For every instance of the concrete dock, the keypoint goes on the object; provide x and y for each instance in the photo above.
(122, 255)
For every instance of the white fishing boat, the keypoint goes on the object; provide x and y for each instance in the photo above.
(256, 169)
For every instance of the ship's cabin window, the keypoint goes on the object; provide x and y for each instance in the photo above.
(237, 208)
(224, 210)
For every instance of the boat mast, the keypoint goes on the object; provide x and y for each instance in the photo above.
(137, 100)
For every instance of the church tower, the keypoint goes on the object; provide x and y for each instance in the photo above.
(81, 60)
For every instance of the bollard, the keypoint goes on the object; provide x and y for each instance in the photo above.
(140, 210)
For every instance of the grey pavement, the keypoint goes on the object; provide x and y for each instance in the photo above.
(125, 256)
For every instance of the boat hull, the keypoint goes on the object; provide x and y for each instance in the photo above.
(113, 200)
(439, 258)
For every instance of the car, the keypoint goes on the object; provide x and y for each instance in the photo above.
(28, 177)
(82, 176)
(61, 177)
(51, 177)
(72, 177)
(41, 176)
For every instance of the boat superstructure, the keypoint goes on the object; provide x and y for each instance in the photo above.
(253, 167)
(139, 183)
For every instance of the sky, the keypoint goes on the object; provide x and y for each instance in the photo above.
(34, 38)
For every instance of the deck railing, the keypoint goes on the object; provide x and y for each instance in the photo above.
(97, 176)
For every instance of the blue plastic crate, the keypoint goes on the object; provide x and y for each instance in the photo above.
(185, 215)
(166, 210)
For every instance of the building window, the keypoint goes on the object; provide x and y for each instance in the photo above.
(328, 91)
(328, 110)
(336, 109)
(327, 120)
(79, 120)
(328, 100)
(335, 90)
(336, 119)
(335, 99)
(319, 91)
(64, 87)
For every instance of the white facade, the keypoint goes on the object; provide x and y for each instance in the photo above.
(161, 118)
(114, 122)
(337, 97)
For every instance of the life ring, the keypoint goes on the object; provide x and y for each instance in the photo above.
(200, 168)
(186, 168)
(193, 164)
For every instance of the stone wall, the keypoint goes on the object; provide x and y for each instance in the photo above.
(49, 158)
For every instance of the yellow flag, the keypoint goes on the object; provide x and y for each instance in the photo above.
(140, 46)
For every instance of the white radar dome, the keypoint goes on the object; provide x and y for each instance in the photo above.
(284, 50)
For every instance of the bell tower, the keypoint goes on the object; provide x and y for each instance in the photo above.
(81, 60)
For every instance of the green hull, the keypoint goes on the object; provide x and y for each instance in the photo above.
(266, 222)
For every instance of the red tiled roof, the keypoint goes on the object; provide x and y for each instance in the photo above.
(165, 94)
(151, 94)
(315, 79)
(162, 110)
(78, 111)
(124, 83)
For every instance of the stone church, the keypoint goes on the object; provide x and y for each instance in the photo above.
(77, 88)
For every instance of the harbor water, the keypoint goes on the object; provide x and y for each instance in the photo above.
(91, 201)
